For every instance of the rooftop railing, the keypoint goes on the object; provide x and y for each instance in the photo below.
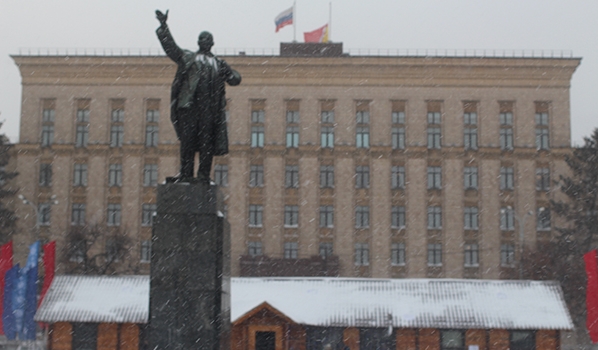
(480, 53)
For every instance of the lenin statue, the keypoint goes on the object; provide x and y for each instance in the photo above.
(197, 107)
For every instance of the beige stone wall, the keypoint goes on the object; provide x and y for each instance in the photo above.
(346, 80)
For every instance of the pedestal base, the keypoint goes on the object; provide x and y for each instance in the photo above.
(190, 270)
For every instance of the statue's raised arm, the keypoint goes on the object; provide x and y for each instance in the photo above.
(162, 17)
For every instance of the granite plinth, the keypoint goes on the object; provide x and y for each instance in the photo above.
(190, 270)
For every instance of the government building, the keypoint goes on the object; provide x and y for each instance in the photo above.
(339, 165)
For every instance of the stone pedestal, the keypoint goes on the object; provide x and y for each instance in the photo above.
(190, 270)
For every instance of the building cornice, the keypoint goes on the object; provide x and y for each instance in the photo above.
(310, 71)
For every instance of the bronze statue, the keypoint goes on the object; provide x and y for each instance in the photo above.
(198, 101)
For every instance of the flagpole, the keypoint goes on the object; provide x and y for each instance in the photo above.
(330, 22)
(294, 21)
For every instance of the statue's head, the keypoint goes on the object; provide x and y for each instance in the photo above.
(205, 41)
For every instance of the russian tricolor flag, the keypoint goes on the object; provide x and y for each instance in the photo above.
(284, 19)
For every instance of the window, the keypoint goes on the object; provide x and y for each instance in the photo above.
(291, 176)
(151, 135)
(327, 124)
(44, 212)
(363, 116)
(397, 254)
(77, 250)
(470, 125)
(147, 214)
(221, 175)
(293, 115)
(397, 217)
(507, 254)
(292, 136)
(145, 255)
(506, 138)
(47, 135)
(506, 178)
(434, 123)
(255, 215)
(398, 138)
(258, 116)
(522, 340)
(542, 125)
(152, 119)
(256, 176)
(117, 118)
(543, 179)
(113, 215)
(325, 250)
(543, 219)
(507, 219)
(397, 177)
(291, 250)
(327, 136)
(470, 218)
(327, 115)
(397, 117)
(327, 176)
(434, 218)
(434, 177)
(470, 178)
(45, 174)
(80, 175)
(78, 214)
(434, 118)
(82, 136)
(150, 175)
(291, 215)
(434, 137)
(117, 133)
(48, 117)
(434, 254)
(471, 252)
(254, 248)
(362, 177)
(82, 128)
(362, 216)
(505, 117)
(257, 136)
(118, 112)
(326, 216)
(452, 340)
(115, 175)
(362, 137)
(470, 138)
(362, 254)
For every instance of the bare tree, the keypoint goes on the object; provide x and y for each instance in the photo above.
(97, 250)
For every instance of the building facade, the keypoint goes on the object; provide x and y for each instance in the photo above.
(380, 166)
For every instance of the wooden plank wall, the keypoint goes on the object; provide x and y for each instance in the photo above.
(61, 335)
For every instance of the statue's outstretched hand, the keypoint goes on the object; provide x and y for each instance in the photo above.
(162, 17)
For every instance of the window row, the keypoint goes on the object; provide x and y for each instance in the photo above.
(117, 123)
(398, 217)
(397, 177)
(398, 256)
(398, 125)
(114, 176)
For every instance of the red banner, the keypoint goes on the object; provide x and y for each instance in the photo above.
(592, 294)
(49, 266)
(5, 265)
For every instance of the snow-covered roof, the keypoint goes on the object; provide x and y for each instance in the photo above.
(120, 299)
(338, 302)
(407, 303)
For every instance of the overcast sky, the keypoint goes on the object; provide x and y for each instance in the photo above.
(570, 25)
